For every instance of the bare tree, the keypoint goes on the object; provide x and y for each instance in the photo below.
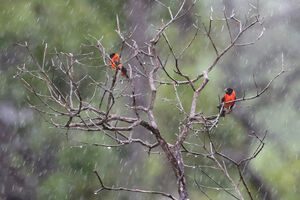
(67, 108)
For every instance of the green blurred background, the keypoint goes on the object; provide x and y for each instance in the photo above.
(38, 162)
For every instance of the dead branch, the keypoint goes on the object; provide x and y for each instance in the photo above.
(69, 109)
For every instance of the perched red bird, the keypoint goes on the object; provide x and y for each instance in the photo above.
(228, 96)
(115, 62)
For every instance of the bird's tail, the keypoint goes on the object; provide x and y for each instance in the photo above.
(124, 72)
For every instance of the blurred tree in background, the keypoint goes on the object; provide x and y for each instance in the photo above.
(39, 162)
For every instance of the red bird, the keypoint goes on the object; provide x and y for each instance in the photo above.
(115, 61)
(228, 96)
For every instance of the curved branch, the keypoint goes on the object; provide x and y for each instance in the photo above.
(104, 187)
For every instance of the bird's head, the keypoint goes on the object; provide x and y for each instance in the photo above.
(228, 91)
(112, 55)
